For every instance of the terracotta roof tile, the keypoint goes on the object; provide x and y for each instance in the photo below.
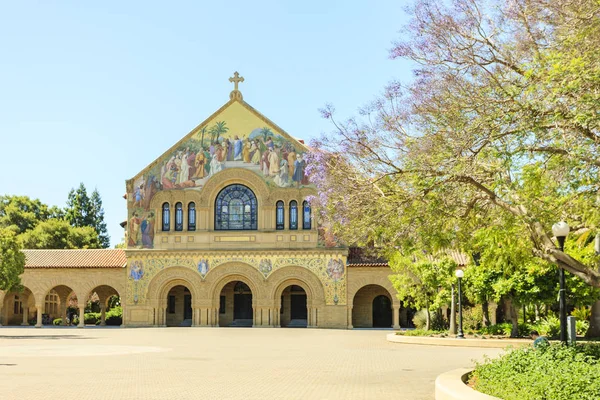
(364, 257)
(90, 258)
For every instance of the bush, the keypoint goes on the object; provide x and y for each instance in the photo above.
(581, 327)
(473, 318)
(549, 326)
(582, 313)
(555, 372)
(498, 329)
(92, 318)
(57, 321)
(114, 316)
(420, 319)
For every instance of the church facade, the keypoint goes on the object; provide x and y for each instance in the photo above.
(220, 232)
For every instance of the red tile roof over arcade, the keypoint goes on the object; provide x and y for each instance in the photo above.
(90, 258)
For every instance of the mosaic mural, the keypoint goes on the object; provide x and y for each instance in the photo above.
(215, 147)
(330, 271)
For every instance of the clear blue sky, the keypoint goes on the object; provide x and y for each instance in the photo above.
(94, 92)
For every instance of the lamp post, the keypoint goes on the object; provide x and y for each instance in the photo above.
(459, 274)
(560, 231)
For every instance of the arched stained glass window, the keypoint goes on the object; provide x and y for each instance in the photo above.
(192, 216)
(305, 215)
(178, 217)
(279, 216)
(166, 217)
(236, 209)
(293, 214)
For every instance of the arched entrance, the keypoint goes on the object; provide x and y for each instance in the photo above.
(382, 312)
(235, 305)
(179, 306)
(372, 308)
(61, 307)
(104, 307)
(19, 308)
(294, 310)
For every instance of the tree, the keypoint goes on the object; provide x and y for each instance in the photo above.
(423, 283)
(59, 234)
(12, 261)
(98, 219)
(217, 130)
(500, 126)
(20, 213)
(82, 211)
(266, 132)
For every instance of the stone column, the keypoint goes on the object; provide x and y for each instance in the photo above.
(81, 317)
(315, 323)
(102, 314)
(396, 311)
(25, 313)
(40, 310)
(196, 317)
(63, 313)
(350, 317)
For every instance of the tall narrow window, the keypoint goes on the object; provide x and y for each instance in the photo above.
(236, 209)
(18, 306)
(305, 215)
(279, 216)
(293, 214)
(178, 217)
(192, 216)
(166, 217)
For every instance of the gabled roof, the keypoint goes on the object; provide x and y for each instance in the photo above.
(89, 258)
(359, 257)
(234, 99)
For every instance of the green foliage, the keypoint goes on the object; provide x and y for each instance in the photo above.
(12, 261)
(92, 318)
(20, 213)
(472, 318)
(84, 211)
(57, 321)
(59, 234)
(114, 316)
(503, 329)
(422, 332)
(549, 326)
(420, 319)
(582, 313)
(581, 327)
(555, 372)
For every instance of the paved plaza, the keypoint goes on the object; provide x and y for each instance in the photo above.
(219, 363)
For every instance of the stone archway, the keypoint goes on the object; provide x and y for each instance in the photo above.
(160, 286)
(18, 307)
(372, 307)
(221, 281)
(103, 293)
(57, 303)
(284, 279)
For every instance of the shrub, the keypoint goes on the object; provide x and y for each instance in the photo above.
(420, 319)
(581, 327)
(549, 326)
(498, 329)
(473, 318)
(57, 321)
(114, 316)
(582, 313)
(92, 318)
(554, 372)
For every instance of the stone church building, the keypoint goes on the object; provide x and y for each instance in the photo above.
(220, 232)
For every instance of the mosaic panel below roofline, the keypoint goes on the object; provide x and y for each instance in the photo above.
(330, 271)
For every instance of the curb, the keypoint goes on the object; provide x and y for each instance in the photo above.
(435, 341)
(452, 385)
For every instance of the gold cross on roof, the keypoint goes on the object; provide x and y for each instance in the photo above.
(236, 79)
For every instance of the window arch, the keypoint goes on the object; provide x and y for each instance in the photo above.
(293, 214)
(192, 216)
(306, 223)
(166, 217)
(236, 209)
(178, 216)
(279, 216)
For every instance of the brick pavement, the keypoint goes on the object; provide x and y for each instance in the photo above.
(219, 363)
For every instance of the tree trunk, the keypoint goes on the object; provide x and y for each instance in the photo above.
(537, 312)
(594, 330)
(427, 319)
(452, 329)
(486, 313)
(512, 316)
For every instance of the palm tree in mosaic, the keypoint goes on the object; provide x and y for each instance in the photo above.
(266, 132)
(217, 130)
